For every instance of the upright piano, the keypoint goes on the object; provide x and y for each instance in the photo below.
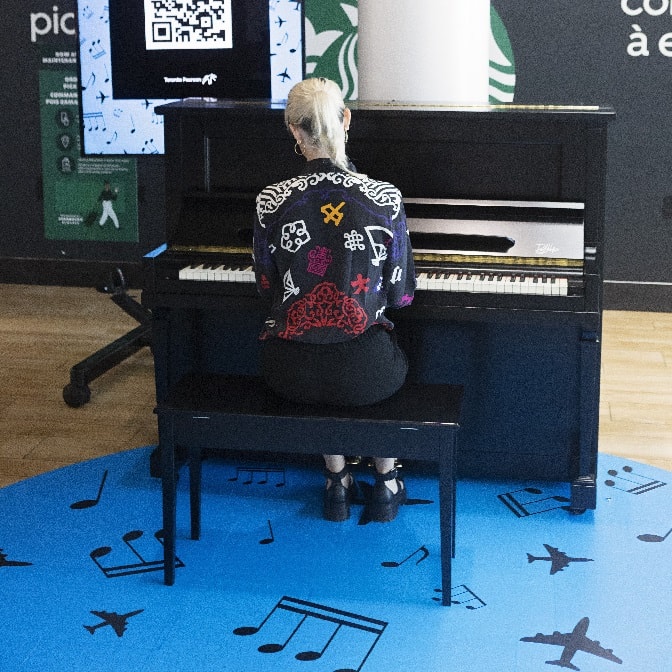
(505, 206)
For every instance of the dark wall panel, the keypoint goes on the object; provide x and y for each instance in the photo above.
(565, 52)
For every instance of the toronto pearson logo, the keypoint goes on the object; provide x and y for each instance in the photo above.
(208, 79)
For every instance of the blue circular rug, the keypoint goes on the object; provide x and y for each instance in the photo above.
(271, 586)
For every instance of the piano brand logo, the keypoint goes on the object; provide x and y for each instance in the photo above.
(546, 249)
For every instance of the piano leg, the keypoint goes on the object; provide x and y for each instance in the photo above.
(169, 496)
(583, 494)
(584, 486)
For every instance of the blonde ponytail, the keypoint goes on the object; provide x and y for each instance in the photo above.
(316, 106)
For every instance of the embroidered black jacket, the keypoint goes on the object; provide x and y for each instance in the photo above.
(331, 251)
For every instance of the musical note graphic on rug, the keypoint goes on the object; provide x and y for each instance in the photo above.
(323, 624)
(248, 475)
(633, 483)
(654, 537)
(88, 503)
(127, 551)
(539, 502)
(424, 553)
(461, 595)
(271, 538)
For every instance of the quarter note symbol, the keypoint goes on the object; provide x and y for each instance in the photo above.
(88, 503)
(653, 537)
(422, 550)
(271, 538)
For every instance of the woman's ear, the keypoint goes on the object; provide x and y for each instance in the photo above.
(296, 133)
(347, 116)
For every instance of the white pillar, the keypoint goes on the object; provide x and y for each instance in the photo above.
(424, 50)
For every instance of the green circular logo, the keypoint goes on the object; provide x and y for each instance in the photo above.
(331, 42)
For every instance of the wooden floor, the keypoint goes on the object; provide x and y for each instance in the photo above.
(44, 331)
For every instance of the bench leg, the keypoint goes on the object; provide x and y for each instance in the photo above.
(447, 499)
(169, 496)
(195, 471)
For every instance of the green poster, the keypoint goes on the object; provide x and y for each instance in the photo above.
(85, 198)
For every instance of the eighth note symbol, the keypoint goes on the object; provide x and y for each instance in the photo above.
(422, 550)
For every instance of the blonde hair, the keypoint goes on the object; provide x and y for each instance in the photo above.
(316, 106)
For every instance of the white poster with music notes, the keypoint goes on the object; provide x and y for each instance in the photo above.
(131, 126)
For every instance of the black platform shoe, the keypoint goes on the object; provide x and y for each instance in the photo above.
(385, 504)
(337, 497)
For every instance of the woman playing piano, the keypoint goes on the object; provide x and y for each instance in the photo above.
(332, 251)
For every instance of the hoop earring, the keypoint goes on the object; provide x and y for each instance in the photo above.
(346, 137)
(297, 149)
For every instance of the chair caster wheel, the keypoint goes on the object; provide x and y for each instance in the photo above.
(76, 396)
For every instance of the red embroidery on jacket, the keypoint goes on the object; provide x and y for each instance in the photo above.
(325, 306)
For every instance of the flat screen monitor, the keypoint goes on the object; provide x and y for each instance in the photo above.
(137, 54)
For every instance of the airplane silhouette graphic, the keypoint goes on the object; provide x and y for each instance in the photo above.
(558, 559)
(116, 621)
(11, 563)
(572, 642)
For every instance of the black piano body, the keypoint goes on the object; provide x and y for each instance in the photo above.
(529, 362)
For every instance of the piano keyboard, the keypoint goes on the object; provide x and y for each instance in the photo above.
(221, 273)
(492, 283)
(437, 281)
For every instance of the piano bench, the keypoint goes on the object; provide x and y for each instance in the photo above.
(217, 411)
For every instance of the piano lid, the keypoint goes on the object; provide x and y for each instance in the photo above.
(501, 230)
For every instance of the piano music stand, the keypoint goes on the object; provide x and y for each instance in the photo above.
(77, 392)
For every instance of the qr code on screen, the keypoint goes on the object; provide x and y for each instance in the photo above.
(188, 24)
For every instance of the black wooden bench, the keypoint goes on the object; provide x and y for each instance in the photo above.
(215, 411)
